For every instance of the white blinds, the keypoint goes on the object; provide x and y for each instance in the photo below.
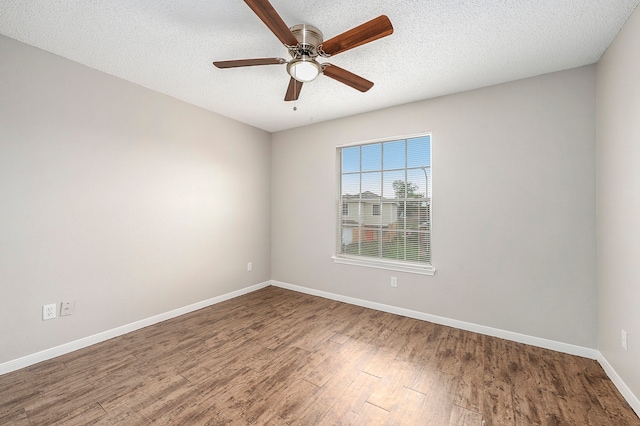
(385, 200)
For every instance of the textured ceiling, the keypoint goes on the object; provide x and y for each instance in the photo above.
(438, 47)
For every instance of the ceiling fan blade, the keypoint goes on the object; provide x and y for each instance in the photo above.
(347, 77)
(369, 31)
(271, 19)
(249, 62)
(293, 91)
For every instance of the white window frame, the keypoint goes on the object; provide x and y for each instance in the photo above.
(372, 262)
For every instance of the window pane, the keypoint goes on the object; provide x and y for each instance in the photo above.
(351, 159)
(371, 157)
(391, 183)
(351, 184)
(424, 246)
(369, 245)
(393, 245)
(371, 185)
(414, 212)
(394, 155)
(412, 246)
(417, 183)
(419, 152)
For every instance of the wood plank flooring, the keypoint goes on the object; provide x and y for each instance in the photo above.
(279, 357)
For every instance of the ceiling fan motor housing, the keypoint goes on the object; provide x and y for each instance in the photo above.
(309, 38)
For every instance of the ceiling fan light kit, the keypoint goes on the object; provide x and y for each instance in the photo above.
(304, 69)
(305, 43)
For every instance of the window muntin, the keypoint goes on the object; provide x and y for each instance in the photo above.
(386, 187)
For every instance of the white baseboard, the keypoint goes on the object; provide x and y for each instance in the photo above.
(489, 331)
(633, 400)
(28, 360)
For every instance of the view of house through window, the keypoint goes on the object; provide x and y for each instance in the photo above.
(385, 200)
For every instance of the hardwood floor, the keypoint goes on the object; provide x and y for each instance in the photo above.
(279, 357)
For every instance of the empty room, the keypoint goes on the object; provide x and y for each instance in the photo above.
(305, 213)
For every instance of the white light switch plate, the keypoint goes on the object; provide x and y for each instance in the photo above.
(67, 308)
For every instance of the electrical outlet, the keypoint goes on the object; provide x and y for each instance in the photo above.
(49, 311)
(624, 340)
(249, 266)
(67, 308)
(394, 282)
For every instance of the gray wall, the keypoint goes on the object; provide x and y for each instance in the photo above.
(127, 201)
(619, 202)
(133, 203)
(514, 239)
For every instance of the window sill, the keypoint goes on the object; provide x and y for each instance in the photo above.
(389, 265)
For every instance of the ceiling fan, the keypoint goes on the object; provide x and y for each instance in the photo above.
(305, 43)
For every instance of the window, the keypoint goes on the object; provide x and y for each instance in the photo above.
(386, 186)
